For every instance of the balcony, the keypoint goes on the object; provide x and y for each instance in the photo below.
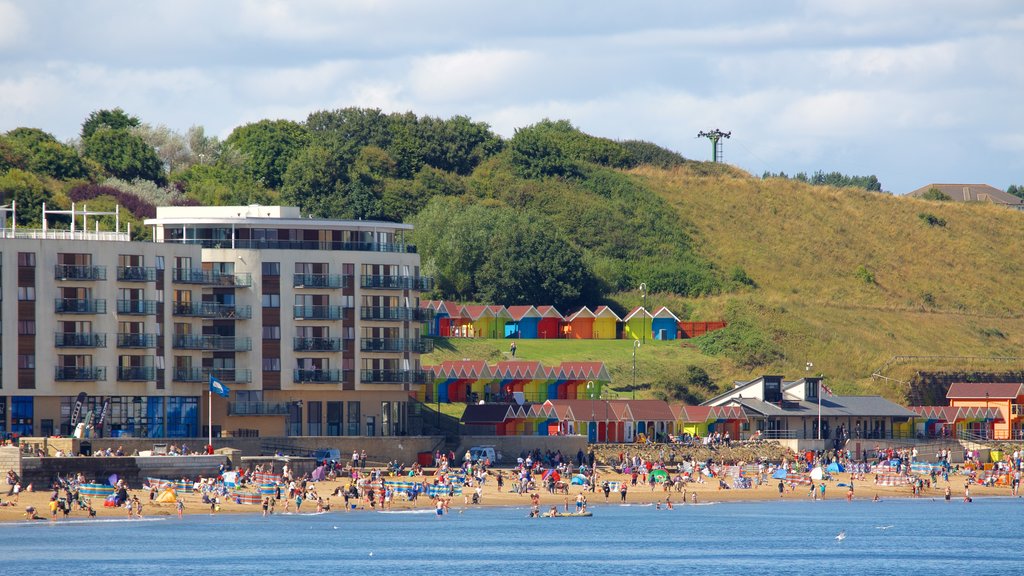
(316, 312)
(320, 281)
(394, 377)
(1017, 410)
(394, 314)
(137, 307)
(257, 408)
(203, 375)
(136, 274)
(136, 373)
(127, 340)
(66, 373)
(210, 342)
(316, 376)
(248, 244)
(212, 310)
(76, 272)
(420, 283)
(79, 306)
(211, 278)
(316, 344)
(79, 340)
(419, 346)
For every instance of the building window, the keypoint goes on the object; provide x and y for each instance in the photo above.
(271, 300)
(26, 361)
(26, 327)
(354, 417)
(159, 262)
(314, 413)
(27, 259)
(271, 268)
(26, 293)
(22, 415)
(271, 332)
(334, 410)
(182, 417)
(271, 364)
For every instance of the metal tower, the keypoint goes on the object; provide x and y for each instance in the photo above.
(716, 137)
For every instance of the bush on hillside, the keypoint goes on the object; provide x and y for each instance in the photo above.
(936, 194)
(743, 342)
(932, 219)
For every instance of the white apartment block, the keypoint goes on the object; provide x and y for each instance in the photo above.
(314, 325)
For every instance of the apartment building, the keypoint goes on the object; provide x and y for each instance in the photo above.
(314, 325)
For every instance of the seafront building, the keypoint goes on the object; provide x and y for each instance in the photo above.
(314, 325)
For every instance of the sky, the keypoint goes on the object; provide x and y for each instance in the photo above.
(914, 91)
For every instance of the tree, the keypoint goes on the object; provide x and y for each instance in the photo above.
(172, 148)
(116, 119)
(935, 194)
(692, 386)
(1017, 191)
(314, 176)
(124, 155)
(28, 191)
(58, 161)
(268, 146)
(535, 153)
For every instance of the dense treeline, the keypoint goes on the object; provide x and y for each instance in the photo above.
(837, 179)
(547, 216)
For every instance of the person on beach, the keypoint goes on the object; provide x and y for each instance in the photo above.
(180, 505)
(782, 488)
(622, 492)
(266, 506)
(949, 494)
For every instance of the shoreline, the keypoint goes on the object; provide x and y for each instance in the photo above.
(707, 492)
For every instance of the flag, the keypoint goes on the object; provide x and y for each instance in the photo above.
(218, 387)
(825, 389)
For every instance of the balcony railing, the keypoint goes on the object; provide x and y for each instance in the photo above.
(316, 344)
(317, 376)
(203, 374)
(80, 373)
(212, 310)
(140, 307)
(128, 340)
(397, 314)
(394, 377)
(79, 340)
(136, 373)
(77, 272)
(298, 245)
(320, 281)
(257, 408)
(316, 312)
(211, 278)
(420, 346)
(420, 283)
(210, 342)
(79, 306)
(136, 274)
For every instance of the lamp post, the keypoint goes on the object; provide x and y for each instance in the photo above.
(636, 344)
(593, 412)
(643, 329)
(988, 423)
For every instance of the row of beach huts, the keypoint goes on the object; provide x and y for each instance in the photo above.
(455, 320)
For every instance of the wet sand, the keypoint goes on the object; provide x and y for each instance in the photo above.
(641, 494)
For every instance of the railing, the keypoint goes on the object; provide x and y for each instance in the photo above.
(128, 340)
(417, 345)
(203, 374)
(79, 306)
(320, 281)
(316, 376)
(316, 312)
(316, 344)
(79, 340)
(78, 272)
(398, 314)
(299, 245)
(421, 283)
(80, 373)
(212, 310)
(136, 274)
(394, 376)
(211, 277)
(146, 307)
(136, 373)
(55, 234)
(257, 408)
(212, 342)
(781, 434)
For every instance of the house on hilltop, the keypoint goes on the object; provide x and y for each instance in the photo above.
(973, 193)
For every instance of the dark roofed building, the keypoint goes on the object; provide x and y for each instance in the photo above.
(972, 193)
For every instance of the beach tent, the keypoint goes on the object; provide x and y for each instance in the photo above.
(817, 473)
(658, 476)
(835, 467)
(168, 496)
(111, 501)
(319, 474)
(780, 474)
(229, 479)
(579, 479)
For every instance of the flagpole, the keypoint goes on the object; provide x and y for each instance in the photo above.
(819, 409)
(209, 417)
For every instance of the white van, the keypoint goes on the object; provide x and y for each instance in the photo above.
(485, 453)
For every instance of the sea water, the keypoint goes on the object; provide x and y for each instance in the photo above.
(922, 536)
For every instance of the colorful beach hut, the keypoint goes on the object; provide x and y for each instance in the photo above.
(501, 318)
(664, 324)
(606, 323)
(524, 322)
(550, 324)
(637, 325)
(580, 324)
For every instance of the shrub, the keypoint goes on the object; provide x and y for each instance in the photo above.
(865, 275)
(742, 341)
(936, 194)
(931, 219)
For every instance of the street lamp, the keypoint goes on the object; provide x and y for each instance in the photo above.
(591, 388)
(643, 330)
(988, 422)
(636, 344)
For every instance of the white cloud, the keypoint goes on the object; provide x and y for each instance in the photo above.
(13, 26)
(468, 75)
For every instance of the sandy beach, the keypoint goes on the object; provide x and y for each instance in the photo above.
(707, 491)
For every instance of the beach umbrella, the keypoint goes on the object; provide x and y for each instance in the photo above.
(779, 474)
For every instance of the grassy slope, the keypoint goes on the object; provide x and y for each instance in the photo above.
(803, 246)
(939, 291)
